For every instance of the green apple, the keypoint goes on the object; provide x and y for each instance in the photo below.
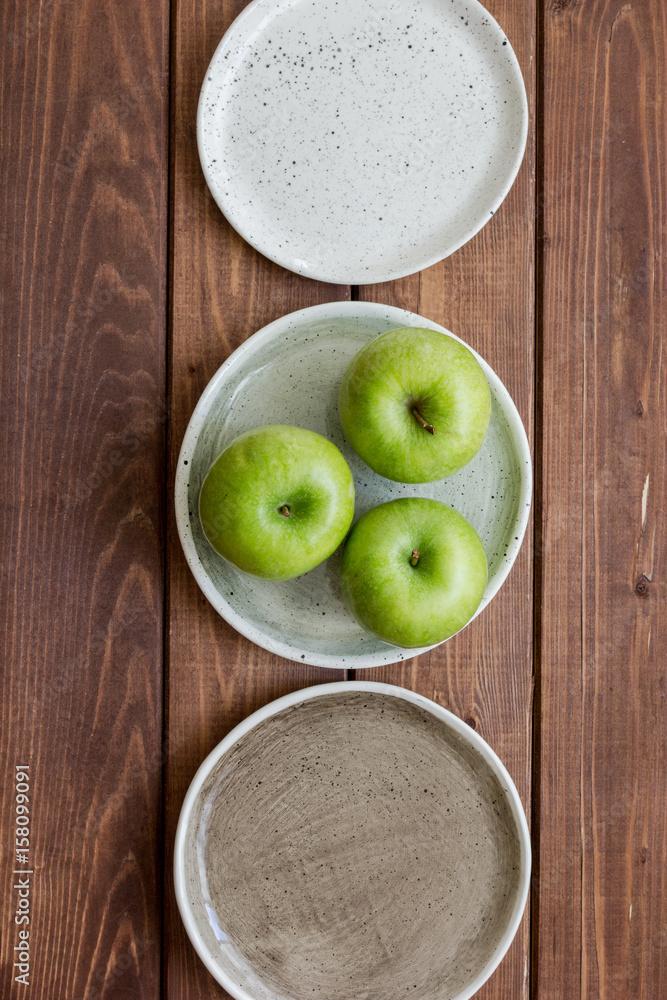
(413, 572)
(277, 501)
(415, 405)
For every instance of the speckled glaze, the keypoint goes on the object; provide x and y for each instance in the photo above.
(358, 142)
(290, 373)
(352, 840)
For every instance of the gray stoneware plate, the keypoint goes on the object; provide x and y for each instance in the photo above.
(352, 840)
(290, 373)
(356, 141)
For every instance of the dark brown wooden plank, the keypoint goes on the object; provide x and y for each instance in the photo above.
(602, 796)
(223, 291)
(83, 225)
(485, 294)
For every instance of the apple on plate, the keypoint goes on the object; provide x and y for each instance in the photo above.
(277, 501)
(413, 572)
(415, 405)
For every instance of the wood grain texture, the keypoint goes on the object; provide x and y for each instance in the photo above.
(83, 231)
(83, 307)
(222, 292)
(602, 793)
(485, 294)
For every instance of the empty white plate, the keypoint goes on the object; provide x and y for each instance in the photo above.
(290, 373)
(357, 141)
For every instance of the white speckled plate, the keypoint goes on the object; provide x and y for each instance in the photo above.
(357, 141)
(290, 373)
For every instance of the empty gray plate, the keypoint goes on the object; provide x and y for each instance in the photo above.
(352, 840)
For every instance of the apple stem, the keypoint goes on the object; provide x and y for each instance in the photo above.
(284, 510)
(420, 420)
(415, 557)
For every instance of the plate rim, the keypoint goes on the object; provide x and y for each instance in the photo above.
(392, 275)
(464, 731)
(330, 310)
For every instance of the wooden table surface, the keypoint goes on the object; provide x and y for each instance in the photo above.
(122, 289)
